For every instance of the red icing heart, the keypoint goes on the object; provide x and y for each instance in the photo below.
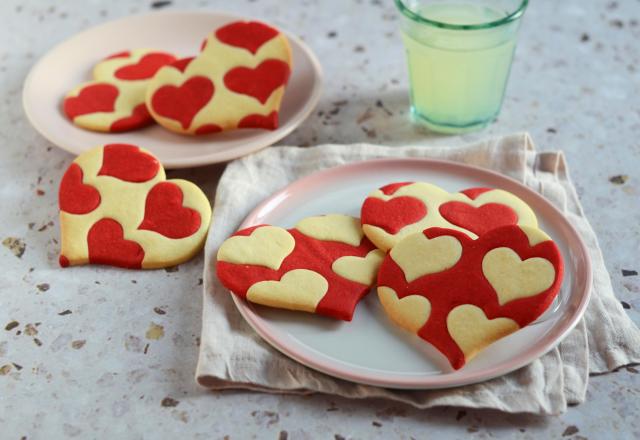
(478, 220)
(259, 82)
(184, 102)
(139, 118)
(250, 35)
(391, 188)
(74, 196)
(182, 63)
(473, 193)
(268, 122)
(129, 163)
(392, 215)
(309, 253)
(465, 283)
(63, 261)
(123, 54)
(164, 213)
(208, 129)
(94, 98)
(108, 246)
(146, 67)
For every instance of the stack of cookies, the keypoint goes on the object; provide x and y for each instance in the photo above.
(459, 270)
(236, 81)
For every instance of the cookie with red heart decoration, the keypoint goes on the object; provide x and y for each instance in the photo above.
(115, 100)
(461, 294)
(236, 81)
(394, 211)
(117, 208)
(323, 265)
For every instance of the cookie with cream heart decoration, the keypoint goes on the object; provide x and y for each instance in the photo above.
(115, 100)
(399, 209)
(117, 208)
(323, 265)
(460, 294)
(236, 81)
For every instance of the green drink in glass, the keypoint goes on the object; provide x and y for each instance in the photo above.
(459, 55)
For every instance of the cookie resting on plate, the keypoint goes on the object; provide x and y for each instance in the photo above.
(117, 208)
(115, 100)
(323, 265)
(237, 81)
(460, 294)
(396, 210)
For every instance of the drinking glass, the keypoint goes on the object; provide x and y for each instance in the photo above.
(459, 54)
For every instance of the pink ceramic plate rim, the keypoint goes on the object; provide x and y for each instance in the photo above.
(579, 259)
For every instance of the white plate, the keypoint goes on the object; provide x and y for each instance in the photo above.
(181, 33)
(370, 349)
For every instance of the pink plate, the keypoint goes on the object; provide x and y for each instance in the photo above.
(370, 350)
(179, 32)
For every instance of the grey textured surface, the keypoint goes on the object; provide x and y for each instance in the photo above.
(91, 372)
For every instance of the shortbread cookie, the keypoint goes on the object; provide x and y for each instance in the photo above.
(460, 294)
(399, 209)
(324, 265)
(117, 208)
(115, 100)
(237, 81)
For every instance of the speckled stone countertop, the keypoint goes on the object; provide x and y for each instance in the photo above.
(111, 354)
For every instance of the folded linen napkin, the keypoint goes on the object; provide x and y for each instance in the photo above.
(233, 356)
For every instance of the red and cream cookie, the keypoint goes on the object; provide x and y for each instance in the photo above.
(460, 294)
(117, 208)
(323, 265)
(237, 81)
(115, 100)
(396, 210)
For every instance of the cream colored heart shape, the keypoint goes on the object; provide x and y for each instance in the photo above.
(332, 227)
(410, 312)
(363, 270)
(267, 246)
(298, 289)
(513, 278)
(418, 255)
(472, 331)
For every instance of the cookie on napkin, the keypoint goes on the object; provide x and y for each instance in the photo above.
(115, 100)
(396, 210)
(117, 208)
(237, 81)
(323, 265)
(461, 294)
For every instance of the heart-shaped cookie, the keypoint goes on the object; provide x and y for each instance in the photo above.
(396, 210)
(311, 267)
(117, 208)
(477, 291)
(115, 100)
(246, 66)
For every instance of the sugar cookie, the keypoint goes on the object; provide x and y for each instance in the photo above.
(323, 265)
(117, 208)
(237, 81)
(460, 294)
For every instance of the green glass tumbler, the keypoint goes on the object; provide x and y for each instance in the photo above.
(459, 56)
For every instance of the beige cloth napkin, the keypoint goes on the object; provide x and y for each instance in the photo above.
(232, 355)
